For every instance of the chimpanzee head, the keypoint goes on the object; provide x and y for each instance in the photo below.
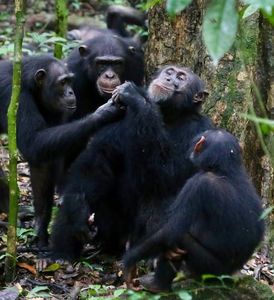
(109, 60)
(177, 87)
(51, 81)
(216, 150)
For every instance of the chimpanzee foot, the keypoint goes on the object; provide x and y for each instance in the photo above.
(149, 283)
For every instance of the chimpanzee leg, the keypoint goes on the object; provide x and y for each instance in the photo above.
(165, 272)
(42, 181)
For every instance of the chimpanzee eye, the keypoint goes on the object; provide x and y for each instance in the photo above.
(63, 82)
(169, 71)
(181, 76)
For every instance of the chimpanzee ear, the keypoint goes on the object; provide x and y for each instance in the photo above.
(200, 96)
(199, 145)
(83, 50)
(40, 76)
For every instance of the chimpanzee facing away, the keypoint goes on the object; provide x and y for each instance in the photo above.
(102, 63)
(46, 101)
(132, 168)
(117, 18)
(4, 193)
(214, 224)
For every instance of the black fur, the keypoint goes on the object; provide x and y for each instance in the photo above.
(215, 218)
(86, 73)
(42, 137)
(132, 168)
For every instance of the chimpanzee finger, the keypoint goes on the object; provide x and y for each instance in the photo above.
(42, 263)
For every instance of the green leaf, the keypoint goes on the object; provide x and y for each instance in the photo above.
(250, 10)
(184, 295)
(51, 268)
(255, 119)
(220, 27)
(269, 16)
(176, 6)
(266, 5)
(118, 292)
(266, 212)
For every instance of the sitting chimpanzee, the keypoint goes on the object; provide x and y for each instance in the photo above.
(4, 193)
(46, 101)
(133, 167)
(100, 65)
(214, 224)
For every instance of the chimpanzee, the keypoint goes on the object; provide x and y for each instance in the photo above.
(46, 101)
(102, 63)
(133, 167)
(4, 193)
(117, 18)
(214, 224)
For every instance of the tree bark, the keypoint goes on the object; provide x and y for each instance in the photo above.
(179, 41)
(10, 262)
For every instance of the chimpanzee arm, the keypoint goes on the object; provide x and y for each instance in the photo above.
(38, 140)
(91, 179)
(147, 141)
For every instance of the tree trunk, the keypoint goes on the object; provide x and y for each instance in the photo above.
(10, 262)
(179, 41)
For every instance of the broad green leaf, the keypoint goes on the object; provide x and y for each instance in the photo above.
(269, 16)
(118, 292)
(220, 27)
(250, 10)
(176, 6)
(184, 295)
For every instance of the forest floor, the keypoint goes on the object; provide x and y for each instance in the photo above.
(95, 276)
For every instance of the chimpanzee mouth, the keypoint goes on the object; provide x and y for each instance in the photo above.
(71, 107)
(164, 87)
(107, 91)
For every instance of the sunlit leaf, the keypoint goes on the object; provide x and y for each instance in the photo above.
(269, 16)
(266, 212)
(220, 27)
(184, 295)
(250, 10)
(266, 5)
(176, 6)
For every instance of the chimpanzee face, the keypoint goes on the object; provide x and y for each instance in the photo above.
(178, 84)
(110, 71)
(106, 62)
(56, 88)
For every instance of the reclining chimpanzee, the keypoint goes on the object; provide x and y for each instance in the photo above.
(133, 168)
(214, 224)
(46, 102)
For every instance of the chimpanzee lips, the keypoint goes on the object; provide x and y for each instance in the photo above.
(164, 87)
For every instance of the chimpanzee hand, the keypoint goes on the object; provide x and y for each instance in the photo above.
(109, 112)
(128, 94)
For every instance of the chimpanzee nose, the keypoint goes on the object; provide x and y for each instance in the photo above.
(109, 75)
(168, 79)
(71, 93)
